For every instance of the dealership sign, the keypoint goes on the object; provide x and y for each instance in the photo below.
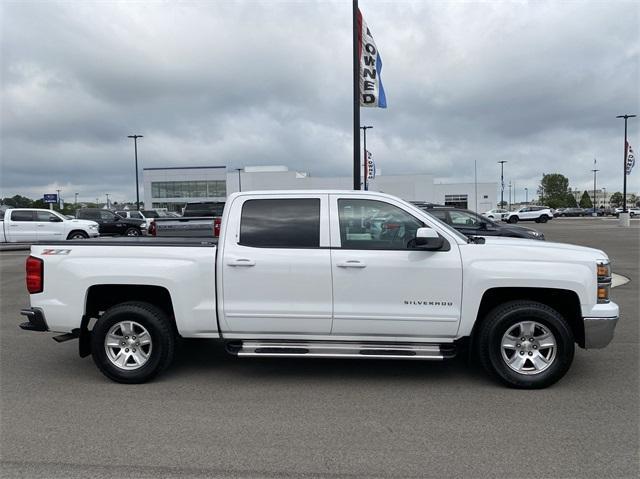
(52, 198)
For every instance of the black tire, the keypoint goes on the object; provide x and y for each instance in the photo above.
(158, 326)
(489, 343)
(132, 232)
(544, 219)
(77, 235)
(513, 219)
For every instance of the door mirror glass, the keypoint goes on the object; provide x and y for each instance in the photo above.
(54, 219)
(428, 239)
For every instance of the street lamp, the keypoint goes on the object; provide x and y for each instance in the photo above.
(75, 201)
(509, 195)
(135, 146)
(624, 163)
(526, 196)
(594, 186)
(366, 166)
(502, 162)
(58, 196)
(107, 194)
(604, 194)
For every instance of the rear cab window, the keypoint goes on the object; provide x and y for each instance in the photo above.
(280, 223)
(22, 216)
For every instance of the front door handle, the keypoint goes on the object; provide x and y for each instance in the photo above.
(351, 263)
(241, 262)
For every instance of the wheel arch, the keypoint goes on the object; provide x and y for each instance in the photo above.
(101, 297)
(565, 301)
(77, 231)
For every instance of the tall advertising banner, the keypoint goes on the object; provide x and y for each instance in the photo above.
(371, 89)
(631, 159)
(371, 166)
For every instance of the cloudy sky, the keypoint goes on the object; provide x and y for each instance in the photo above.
(261, 83)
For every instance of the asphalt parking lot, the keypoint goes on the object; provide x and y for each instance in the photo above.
(215, 415)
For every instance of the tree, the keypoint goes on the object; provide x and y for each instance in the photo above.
(616, 199)
(571, 202)
(554, 189)
(18, 201)
(585, 201)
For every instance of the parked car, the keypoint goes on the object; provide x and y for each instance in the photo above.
(304, 274)
(632, 210)
(146, 215)
(33, 224)
(567, 212)
(495, 214)
(111, 224)
(539, 214)
(558, 212)
(472, 224)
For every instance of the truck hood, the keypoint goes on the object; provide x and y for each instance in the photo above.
(544, 249)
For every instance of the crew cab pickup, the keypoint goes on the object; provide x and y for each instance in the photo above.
(29, 225)
(326, 274)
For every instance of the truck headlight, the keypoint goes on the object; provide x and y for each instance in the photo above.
(93, 227)
(603, 271)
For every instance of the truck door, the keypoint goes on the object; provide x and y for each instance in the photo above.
(381, 285)
(21, 226)
(50, 226)
(275, 266)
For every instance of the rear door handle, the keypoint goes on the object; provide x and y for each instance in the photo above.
(351, 263)
(241, 262)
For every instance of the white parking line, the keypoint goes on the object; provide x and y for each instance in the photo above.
(618, 280)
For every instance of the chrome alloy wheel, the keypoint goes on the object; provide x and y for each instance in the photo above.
(128, 345)
(528, 347)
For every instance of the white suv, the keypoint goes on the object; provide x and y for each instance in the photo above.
(539, 214)
(495, 214)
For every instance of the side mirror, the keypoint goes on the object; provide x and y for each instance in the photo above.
(483, 225)
(55, 219)
(428, 239)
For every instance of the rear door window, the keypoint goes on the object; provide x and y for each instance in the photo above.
(22, 216)
(281, 223)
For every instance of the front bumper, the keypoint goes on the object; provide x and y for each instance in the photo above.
(598, 332)
(36, 319)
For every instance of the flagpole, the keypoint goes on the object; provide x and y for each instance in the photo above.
(356, 98)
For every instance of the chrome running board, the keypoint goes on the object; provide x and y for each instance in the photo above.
(317, 349)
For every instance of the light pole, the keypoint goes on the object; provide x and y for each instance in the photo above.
(595, 171)
(135, 147)
(502, 162)
(604, 194)
(624, 163)
(509, 195)
(239, 179)
(526, 196)
(107, 195)
(58, 191)
(365, 180)
(75, 201)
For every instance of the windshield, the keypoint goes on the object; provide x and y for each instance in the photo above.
(451, 230)
(151, 214)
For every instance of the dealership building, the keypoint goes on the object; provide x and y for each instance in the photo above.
(173, 187)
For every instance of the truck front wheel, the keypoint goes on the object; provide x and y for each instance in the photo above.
(525, 344)
(132, 342)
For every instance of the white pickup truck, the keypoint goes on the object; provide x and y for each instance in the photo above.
(32, 224)
(326, 274)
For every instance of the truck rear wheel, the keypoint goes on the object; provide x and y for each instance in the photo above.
(525, 344)
(132, 342)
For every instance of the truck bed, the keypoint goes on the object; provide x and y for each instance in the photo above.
(137, 241)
